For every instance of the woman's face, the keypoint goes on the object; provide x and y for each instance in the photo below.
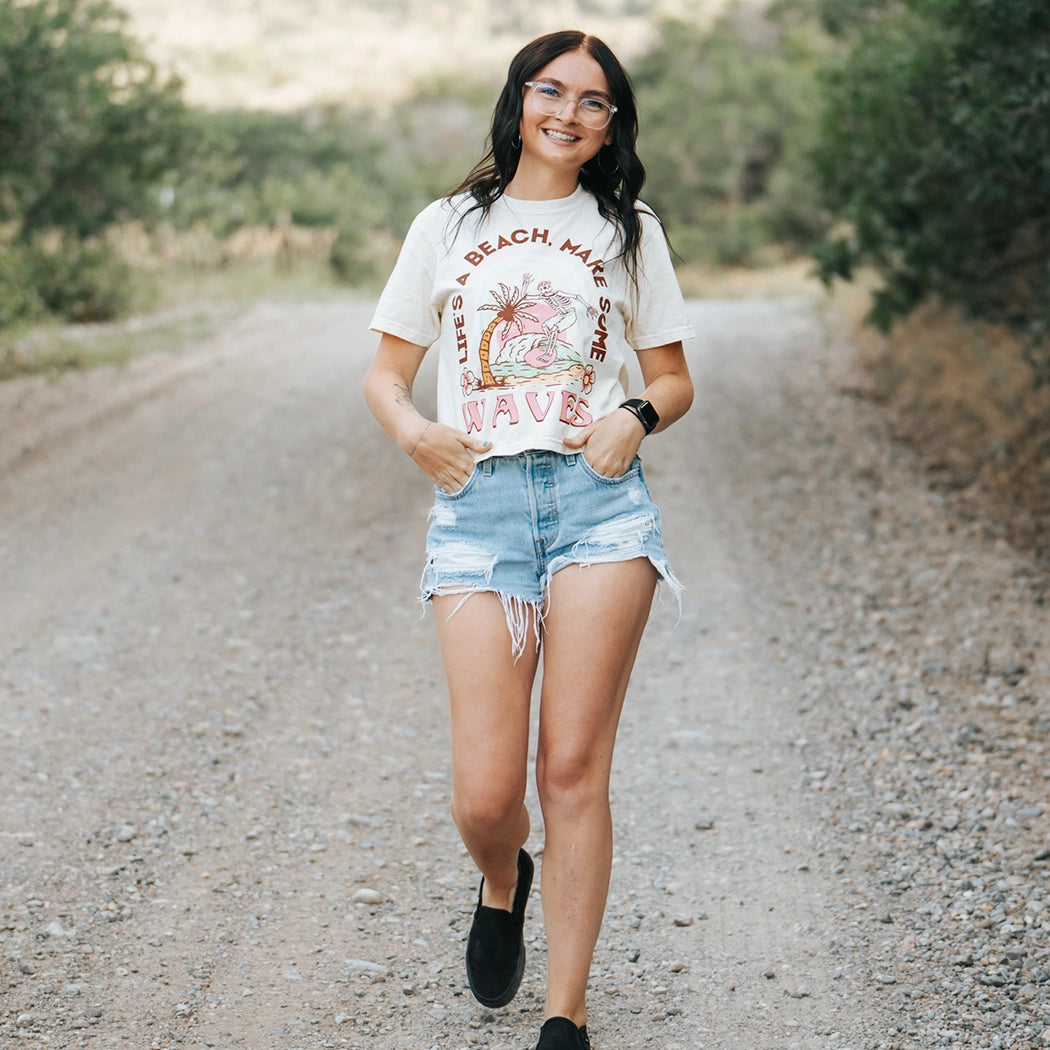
(561, 140)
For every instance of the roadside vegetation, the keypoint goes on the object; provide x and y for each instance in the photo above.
(901, 142)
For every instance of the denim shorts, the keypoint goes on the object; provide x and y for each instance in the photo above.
(520, 519)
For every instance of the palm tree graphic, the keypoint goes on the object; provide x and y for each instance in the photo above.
(510, 305)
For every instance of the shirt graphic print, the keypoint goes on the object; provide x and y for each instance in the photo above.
(530, 320)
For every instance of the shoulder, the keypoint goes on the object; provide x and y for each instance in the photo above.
(435, 214)
(434, 229)
(442, 219)
(647, 217)
(654, 238)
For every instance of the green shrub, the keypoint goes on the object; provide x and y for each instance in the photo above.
(87, 125)
(83, 280)
(257, 169)
(935, 158)
(725, 118)
(351, 260)
(20, 301)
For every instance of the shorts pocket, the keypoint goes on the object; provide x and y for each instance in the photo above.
(632, 472)
(459, 493)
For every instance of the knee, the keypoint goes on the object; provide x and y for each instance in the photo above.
(486, 811)
(570, 778)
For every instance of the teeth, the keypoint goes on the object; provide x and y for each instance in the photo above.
(559, 135)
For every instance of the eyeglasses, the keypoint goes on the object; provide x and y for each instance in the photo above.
(590, 112)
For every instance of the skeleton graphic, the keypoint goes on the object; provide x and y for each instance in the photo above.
(565, 313)
(540, 349)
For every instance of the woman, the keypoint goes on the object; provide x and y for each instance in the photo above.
(532, 280)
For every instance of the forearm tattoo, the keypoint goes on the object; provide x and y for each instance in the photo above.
(402, 394)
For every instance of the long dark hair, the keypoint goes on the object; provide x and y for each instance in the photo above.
(614, 176)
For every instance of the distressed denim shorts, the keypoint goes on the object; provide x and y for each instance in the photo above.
(520, 519)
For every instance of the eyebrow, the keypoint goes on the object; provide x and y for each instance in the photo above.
(583, 94)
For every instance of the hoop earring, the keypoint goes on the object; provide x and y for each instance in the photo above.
(516, 143)
(615, 168)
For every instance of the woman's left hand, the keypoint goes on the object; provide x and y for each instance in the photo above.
(609, 444)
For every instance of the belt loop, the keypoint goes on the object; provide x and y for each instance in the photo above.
(570, 459)
(486, 468)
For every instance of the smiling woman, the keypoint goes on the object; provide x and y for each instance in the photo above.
(535, 280)
(563, 126)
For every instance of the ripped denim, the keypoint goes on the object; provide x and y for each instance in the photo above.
(521, 519)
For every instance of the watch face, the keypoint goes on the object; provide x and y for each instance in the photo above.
(644, 411)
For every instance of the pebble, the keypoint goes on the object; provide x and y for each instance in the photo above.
(353, 966)
(367, 896)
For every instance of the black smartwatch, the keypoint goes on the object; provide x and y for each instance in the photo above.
(643, 411)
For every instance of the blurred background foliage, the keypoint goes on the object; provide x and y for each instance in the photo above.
(933, 155)
(911, 137)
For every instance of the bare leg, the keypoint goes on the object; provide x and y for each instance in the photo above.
(593, 629)
(489, 698)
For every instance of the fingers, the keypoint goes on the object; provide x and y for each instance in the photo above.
(446, 456)
(458, 473)
(579, 438)
(451, 476)
(454, 479)
(609, 444)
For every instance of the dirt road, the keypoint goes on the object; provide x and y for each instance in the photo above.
(223, 753)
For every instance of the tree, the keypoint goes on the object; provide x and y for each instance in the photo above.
(726, 115)
(934, 158)
(87, 125)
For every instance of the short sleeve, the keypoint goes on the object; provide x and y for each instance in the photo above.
(407, 306)
(657, 310)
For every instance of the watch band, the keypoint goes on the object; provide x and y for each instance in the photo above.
(643, 411)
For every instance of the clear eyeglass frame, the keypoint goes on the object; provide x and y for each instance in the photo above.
(592, 113)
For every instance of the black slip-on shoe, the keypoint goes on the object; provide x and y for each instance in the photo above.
(496, 945)
(559, 1033)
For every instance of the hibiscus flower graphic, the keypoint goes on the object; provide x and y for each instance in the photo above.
(588, 379)
(469, 381)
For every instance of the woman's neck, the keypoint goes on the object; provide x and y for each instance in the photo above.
(542, 184)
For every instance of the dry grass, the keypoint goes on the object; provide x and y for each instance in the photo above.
(189, 284)
(52, 349)
(792, 279)
(961, 394)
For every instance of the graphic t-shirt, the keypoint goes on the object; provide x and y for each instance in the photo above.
(532, 314)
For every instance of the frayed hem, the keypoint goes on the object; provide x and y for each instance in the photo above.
(516, 610)
(673, 583)
(663, 571)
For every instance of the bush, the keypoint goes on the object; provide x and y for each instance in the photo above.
(725, 118)
(20, 301)
(312, 168)
(351, 260)
(935, 157)
(82, 281)
(87, 126)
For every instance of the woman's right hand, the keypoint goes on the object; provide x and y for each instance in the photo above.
(446, 456)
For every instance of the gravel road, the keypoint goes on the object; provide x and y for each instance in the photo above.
(223, 756)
